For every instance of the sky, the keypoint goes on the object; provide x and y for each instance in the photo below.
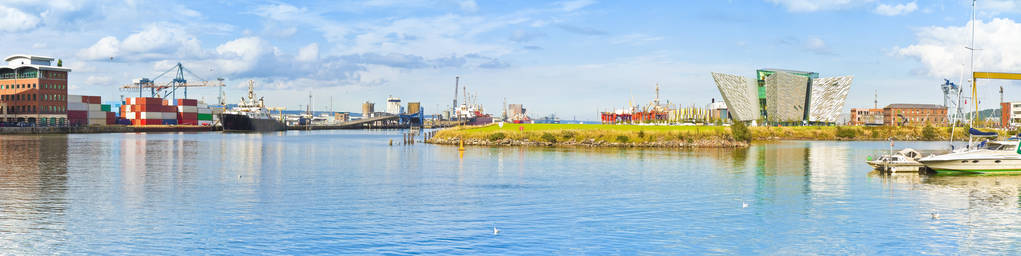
(572, 58)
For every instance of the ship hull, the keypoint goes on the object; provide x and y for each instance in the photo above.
(243, 123)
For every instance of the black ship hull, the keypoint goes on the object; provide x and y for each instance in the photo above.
(243, 123)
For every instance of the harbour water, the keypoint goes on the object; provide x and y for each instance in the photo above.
(349, 192)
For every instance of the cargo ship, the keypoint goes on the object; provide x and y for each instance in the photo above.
(250, 115)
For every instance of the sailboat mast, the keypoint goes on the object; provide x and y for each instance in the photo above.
(974, 86)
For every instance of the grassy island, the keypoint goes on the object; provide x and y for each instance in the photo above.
(675, 136)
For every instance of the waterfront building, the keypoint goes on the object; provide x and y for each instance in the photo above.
(866, 116)
(718, 110)
(393, 106)
(33, 90)
(914, 115)
(1010, 114)
(367, 109)
(784, 96)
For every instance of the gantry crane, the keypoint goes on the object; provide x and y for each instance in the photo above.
(169, 89)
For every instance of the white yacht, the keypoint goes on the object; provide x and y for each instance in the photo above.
(992, 157)
(904, 161)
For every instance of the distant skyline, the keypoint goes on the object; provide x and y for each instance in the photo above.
(572, 58)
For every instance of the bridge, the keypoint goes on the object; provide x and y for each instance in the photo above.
(378, 122)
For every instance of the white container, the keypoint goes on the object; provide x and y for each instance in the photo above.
(152, 115)
(74, 99)
(187, 109)
(203, 105)
(77, 106)
(128, 115)
(205, 111)
(96, 114)
(97, 120)
(95, 107)
(205, 122)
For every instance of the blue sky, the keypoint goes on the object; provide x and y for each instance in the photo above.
(572, 58)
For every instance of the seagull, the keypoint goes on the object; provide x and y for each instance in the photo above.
(496, 231)
(744, 205)
(934, 215)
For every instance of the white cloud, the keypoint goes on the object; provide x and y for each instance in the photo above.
(14, 20)
(634, 39)
(309, 53)
(941, 49)
(468, 5)
(99, 80)
(107, 47)
(817, 5)
(157, 41)
(894, 10)
(575, 4)
(817, 45)
(242, 54)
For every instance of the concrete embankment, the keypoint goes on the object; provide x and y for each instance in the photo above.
(102, 129)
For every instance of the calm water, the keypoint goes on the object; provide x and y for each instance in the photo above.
(348, 192)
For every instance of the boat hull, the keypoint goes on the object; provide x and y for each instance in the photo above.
(975, 166)
(243, 123)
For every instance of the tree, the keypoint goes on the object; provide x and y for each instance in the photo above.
(60, 62)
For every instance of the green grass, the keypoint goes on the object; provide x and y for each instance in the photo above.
(642, 134)
(582, 132)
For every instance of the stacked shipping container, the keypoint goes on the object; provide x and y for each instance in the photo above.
(187, 112)
(87, 110)
(205, 115)
(148, 111)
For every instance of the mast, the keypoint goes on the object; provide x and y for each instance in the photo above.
(974, 87)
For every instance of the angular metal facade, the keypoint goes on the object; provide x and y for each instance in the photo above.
(829, 95)
(740, 94)
(785, 97)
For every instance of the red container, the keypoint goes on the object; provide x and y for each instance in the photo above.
(147, 122)
(187, 102)
(111, 118)
(148, 101)
(72, 114)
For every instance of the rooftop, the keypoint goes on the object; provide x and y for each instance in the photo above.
(786, 70)
(930, 106)
(31, 57)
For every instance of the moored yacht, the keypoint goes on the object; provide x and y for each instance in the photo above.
(993, 157)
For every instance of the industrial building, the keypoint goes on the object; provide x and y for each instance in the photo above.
(33, 90)
(785, 97)
(1010, 114)
(393, 106)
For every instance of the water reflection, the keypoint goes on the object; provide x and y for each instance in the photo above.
(33, 185)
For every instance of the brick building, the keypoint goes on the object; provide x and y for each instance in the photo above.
(33, 90)
(914, 114)
(866, 116)
(1010, 114)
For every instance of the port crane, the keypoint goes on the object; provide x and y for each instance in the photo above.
(169, 89)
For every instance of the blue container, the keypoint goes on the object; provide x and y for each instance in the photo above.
(170, 122)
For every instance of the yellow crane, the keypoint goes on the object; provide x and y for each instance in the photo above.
(987, 75)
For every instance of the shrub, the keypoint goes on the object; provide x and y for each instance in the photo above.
(929, 133)
(740, 132)
(846, 133)
(623, 139)
(497, 136)
(548, 137)
(568, 135)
